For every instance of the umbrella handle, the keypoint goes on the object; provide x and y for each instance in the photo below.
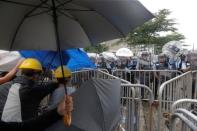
(67, 119)
(68, 115)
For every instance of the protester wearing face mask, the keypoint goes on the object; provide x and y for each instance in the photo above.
(20, 98)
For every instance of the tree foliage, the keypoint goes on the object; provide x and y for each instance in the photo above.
(99, 48)
(157, 31)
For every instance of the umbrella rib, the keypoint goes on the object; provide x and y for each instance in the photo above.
(81, 24)
(84, 31)
(17, 29)
(119, 30)
(55, 21)
(38, 6)
(101, 107)
(52, 60)
(74, 9)
(63, 12)
(66, 15)
(75, 19)
(21, 22)
(121, 33)
(20, 3)
(62, 4)
(40, 13)
(48, 5)
(66, 57)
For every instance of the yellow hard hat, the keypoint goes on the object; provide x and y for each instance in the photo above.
(58, 72)
(31, 63)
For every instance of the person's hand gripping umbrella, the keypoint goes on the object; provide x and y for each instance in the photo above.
(63, 76)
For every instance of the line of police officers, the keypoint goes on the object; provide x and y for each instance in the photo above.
(146, 62)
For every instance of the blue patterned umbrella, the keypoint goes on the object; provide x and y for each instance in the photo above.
(75, 59)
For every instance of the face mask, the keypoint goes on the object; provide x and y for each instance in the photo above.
(37, 76)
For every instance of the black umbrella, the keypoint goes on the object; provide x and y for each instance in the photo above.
(61, 24)
(96, 107)
(54, 24)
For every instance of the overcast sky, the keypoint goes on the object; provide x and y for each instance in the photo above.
(185, 13)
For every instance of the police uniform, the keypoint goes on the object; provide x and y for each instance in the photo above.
(145, 77)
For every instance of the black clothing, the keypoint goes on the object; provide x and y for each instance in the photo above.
(38, 123)
(20, 98)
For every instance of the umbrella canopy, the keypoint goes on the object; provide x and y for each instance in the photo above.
(96, 106)
(63, 24)
(109, 56)
(8, 60)
(74, 59)
(124, 52)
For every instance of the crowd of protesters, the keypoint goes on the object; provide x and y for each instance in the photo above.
(21, 97)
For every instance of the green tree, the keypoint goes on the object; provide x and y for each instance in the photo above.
(99, 48)
(155, 32)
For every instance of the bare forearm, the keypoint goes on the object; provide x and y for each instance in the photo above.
(8, 76)
(11, 73)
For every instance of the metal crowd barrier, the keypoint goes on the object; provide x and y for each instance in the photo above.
(141, 107)
(150, 78)
(180, 106)
(183, 103)
(131, 101)
(127, 108)
(103, 70)
(188, 120)
(132, 119)
(78, 77)
(194, 84)
(177, 88)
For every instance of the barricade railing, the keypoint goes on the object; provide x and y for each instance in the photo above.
(183, 103)
(78, 77)
(131, 119)
(103, 70)
(150, 78)
(194, 84)
(194, 89)
(142, 107)
(177, 88)
(188, 120)
(127, 108)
